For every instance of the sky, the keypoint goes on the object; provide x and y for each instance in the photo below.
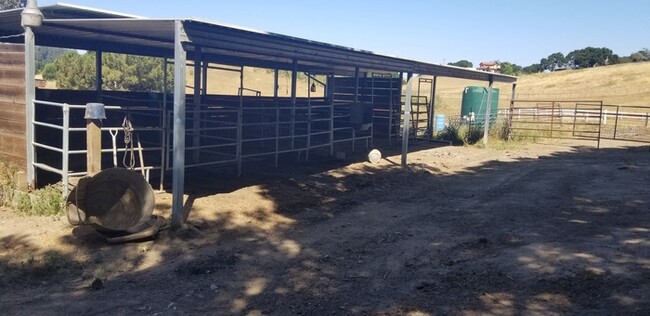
(520, 32)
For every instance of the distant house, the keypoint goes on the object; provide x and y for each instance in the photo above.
(489, 66)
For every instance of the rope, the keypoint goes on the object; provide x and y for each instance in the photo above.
(129, 152)
(12, 36)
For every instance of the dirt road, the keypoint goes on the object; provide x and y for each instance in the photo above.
(541, 229)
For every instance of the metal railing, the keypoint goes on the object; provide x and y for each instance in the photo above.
(49, 144)
(579, 119)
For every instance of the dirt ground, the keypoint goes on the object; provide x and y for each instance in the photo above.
(533, 229)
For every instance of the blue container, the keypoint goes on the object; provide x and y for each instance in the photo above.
(440, 122)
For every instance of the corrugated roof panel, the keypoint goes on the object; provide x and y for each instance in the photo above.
(85, 28)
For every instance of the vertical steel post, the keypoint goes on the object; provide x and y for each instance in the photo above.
(178, 173)
(196, 117)
(512, 108)
(277, 134)
(240, 122)
(599, 126)
(486, 130)
(294, 82)
(98, 75)
(390, 112)
(356, 101)
(356, 85)
(31, 18)
(618, 107)
(204, 77)
(407, 115)
(308, 116)
(575, 116)
(163, 125)
(552, 116)
(275, 85)
(432, 113)
(331, 122)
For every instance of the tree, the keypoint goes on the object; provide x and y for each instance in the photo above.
(639, 56)
(119, 72)
(556, 60)
(534, 68)
(544, 63)
(75, 71)
(12, 4)
(510, 68)
(46, 55)
(462, 63)
(591, 57)
(646, 53)
(49, 72)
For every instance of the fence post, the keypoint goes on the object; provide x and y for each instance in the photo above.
(605, 118)
(618, 107)
(94, 114)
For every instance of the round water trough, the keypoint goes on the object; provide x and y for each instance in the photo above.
(113, 200)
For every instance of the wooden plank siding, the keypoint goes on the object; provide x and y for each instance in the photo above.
(12, 104)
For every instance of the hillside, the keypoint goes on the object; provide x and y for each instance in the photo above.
(624, 84)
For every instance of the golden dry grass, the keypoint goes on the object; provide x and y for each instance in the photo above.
(624, 84)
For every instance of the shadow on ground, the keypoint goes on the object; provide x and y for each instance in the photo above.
(565, 233)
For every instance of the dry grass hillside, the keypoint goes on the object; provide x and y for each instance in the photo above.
(624, 84)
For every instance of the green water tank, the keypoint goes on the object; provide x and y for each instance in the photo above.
(475, 101)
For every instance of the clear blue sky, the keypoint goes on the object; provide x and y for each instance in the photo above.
(521, 31)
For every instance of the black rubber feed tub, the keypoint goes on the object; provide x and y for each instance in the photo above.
(113, 200)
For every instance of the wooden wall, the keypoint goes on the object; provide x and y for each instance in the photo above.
(12, 104)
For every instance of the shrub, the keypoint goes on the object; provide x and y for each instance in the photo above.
(7, 182)
(42, 202)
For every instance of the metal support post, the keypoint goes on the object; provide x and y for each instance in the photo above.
(407, 116)
(240, 122)
(618, 108)
(178, 173)
(98, 75)
(196, 117)
(308, 117)
(512, 108)
(294, 82)
(432, 113)
(31, 18)
(204, 77)
(486, 123)
(331, 127)
(275, 85)
(163, 124)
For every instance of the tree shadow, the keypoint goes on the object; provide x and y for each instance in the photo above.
(563, 233)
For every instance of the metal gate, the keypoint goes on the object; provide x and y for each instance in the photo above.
(556, 120)
(587, 120)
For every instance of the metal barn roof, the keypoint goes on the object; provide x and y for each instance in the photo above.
(77, 27)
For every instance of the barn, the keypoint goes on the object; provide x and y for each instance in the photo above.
(353, 97)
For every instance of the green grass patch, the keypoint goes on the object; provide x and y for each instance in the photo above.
(46, 201)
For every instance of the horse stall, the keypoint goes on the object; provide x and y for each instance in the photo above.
(162, 133)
